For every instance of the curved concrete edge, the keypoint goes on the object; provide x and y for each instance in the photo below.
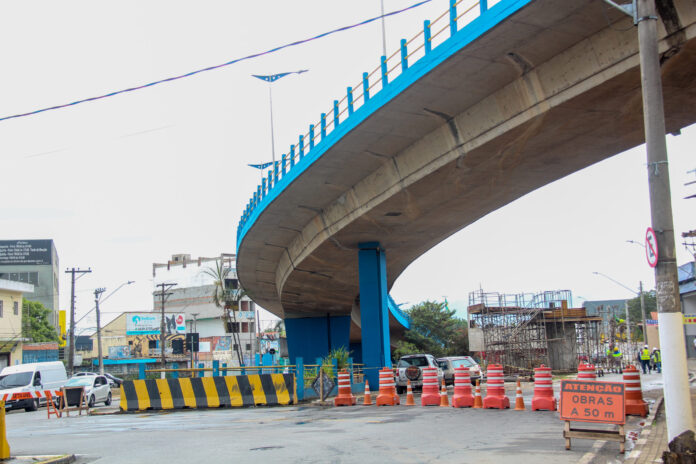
(43, 459)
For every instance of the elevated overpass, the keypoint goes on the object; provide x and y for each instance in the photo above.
(479, 109)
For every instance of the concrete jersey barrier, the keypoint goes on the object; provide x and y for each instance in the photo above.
(208, 392)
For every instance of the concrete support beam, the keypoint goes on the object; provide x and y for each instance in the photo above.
(374, 312)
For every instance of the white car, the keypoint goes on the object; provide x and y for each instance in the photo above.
(97, 389)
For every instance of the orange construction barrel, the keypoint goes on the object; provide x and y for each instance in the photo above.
(495, 389)
(543, 390)
(633, 393)
(462, 398)
(345, 396)
(387, 389)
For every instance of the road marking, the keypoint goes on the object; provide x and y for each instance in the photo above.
(590, 455)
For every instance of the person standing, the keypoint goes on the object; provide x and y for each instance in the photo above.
(656, 358)
(644, 358)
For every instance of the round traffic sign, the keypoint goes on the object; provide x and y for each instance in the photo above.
(651, 247)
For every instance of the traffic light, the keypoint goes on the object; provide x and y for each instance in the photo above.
(192, 342)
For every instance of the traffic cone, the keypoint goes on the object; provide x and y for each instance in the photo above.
(519, 400)
(368, 398)
(409, 394)
(444, 400)
(478, 402)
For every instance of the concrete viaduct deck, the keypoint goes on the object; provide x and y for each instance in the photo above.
(525, 94)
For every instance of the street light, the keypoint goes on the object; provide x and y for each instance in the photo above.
(97, 295)
(128, 282)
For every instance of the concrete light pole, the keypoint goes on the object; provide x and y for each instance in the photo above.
(670, 319)
(97, 296)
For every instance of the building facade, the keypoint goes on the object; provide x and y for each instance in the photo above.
(33, 262)
(193, 296)
(11, 340)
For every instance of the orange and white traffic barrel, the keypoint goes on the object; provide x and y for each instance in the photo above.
(495, 389)
(430, 395)
(543, 390)
(345, 396)
(634, 404)
(462, 397)
(387, 389)
(586, 372)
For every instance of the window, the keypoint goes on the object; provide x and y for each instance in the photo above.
(235, 347)
(248, 346)
(245, 327)
(15, 308)
(245, 305)
(1, 304)
(152, 344)
(233, 327)
(252, 306)
(232, 284)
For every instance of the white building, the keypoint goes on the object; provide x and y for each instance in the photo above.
(193, 296)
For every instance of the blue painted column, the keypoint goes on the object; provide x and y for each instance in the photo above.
(201, 373)
(175, 375)
(141, 371)
(216, 368)
(299, 375)
(374, 311)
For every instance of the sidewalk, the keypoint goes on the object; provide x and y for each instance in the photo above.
(652, 441)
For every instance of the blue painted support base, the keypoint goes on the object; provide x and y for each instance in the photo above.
(374, 310)
(299, 376)
(175, 375)
(313, 337)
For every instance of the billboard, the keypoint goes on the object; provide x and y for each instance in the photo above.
(119, 352)
(25, 252)
(149, 323)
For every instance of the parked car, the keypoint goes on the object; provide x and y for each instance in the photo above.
(449, 363)
(410, 367)
(97, 388)
(113, 380)
(31, 377)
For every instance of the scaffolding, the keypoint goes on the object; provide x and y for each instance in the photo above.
(523, 331)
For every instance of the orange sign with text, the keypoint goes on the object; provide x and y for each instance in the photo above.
(591, 401)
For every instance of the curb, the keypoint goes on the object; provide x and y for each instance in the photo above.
(644, 433)
(59, 459)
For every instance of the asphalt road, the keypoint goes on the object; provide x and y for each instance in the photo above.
(308, 434)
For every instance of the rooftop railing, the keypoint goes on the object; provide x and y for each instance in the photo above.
(410, 51)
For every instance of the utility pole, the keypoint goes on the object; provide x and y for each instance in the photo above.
(163, 294)
(642, 312)
(97, 295)
(670, 321)
(71, 341)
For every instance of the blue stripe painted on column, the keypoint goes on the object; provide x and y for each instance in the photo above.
(374, 316)
(383, 68)
(335, 114)
(366, 87)
(299, 375)
(426, 37)
(404, 56)
(349, 98)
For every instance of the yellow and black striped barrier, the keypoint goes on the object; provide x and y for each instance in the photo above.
(208, 392)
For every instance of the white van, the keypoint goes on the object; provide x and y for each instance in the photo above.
(31, 377)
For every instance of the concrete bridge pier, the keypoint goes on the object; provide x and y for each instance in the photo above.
(374, 310)
(315, 337)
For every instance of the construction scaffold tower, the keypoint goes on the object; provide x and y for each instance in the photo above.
(524, 331)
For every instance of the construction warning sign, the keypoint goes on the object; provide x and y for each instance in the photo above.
(591, 401)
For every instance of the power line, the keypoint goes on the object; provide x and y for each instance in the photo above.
(211, 68)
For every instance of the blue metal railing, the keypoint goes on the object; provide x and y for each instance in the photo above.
(409, 53)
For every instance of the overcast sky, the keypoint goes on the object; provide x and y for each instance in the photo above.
(130, 180)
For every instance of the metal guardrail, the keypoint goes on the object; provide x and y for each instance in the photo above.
(409, 52)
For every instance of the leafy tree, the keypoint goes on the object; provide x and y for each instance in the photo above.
(634, 311)
(227, 299)
(434, 330)
(35, 322)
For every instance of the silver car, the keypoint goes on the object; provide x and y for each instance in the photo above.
(410, 367)
(450, 363)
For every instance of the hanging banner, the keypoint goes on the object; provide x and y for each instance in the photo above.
(149, 323)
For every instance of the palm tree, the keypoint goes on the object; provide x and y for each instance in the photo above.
(227, 299)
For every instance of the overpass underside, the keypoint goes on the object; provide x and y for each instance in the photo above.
(553, 88)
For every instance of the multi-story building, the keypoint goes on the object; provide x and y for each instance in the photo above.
(33, 262)
(11, 293)
(193, 295)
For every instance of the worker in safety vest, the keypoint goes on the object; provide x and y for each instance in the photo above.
(645, 358)
(656, 358)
